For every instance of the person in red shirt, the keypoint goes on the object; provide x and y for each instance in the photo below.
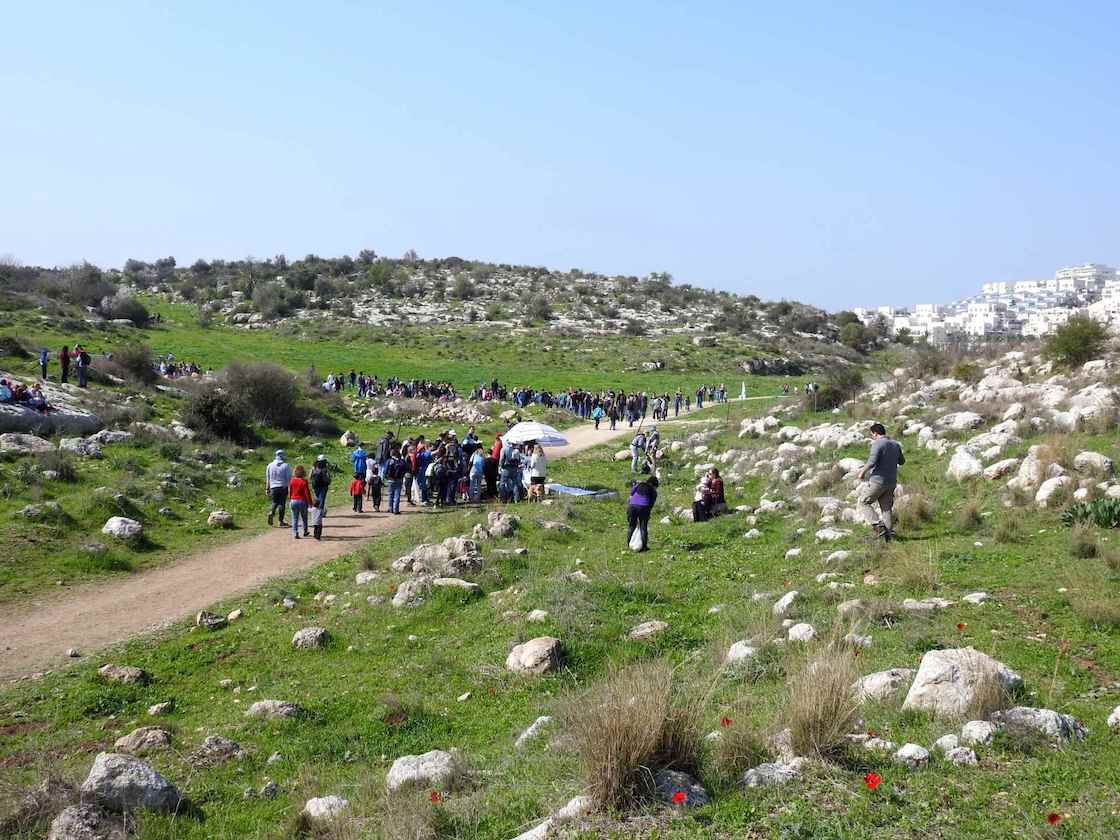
(357, 492)
(300, 495)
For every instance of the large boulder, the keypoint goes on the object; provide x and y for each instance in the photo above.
(322, 810)
(1093, 462)
(22, 444)
(82, 447)
(122, 783)
(453, 557)
(536, 656)
(310, 638)
(960, 421)
(128, 674)
(122, 528)
(948, 681)
(274, 709)
(1045, 722)
(66, 415)
(435, 769)
(1053, 490)
(964, 465)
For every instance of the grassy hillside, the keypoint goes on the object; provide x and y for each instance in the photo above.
(390, 680)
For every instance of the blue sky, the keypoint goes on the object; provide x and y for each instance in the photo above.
(840, 154)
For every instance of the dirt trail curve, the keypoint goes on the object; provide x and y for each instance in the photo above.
(90, 617)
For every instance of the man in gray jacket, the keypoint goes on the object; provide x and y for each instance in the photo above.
(882, 465)
(277, 477)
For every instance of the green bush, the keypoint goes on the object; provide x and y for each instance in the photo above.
(135, 361)
(1104, 513)
(266, 393)
(214, 413)
(126, 307)
(1078, 340)
(840, 385)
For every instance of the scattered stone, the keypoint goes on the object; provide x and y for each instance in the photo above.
(464, 586)
(857, 641)
(310, 638)
(576, 808)
(121, 783)
(210, 621)
(740, 653)
(323, 810)
(537, 615)
(274, 709)
(122, 528)
(962, 757)
(882, 684)
(411, 593)
(793, 552)
(157, 709)
(669, 784)
(977, 732)
(783, 605)
(975, 598)
(73, 653)
(1114, 719)
(124, 674)
(534, 729)
(140, 741)
(1053, 725)
(220, 518)
(647, 630)
(773, 773)
(946, 743)
(269, 790)
(964, 465)
(216, 749)
(236, 615)
(851, 607)
(912, 756)
(879, 745)
(536, 656)
(501, 525)
(87, 822)
(802, 633)
(363, 578)
(435, 769)
(21, 444)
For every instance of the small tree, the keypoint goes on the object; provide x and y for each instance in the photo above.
(854, 335)
(1078, 340)
(539, 308)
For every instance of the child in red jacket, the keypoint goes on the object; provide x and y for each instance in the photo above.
(357, 491)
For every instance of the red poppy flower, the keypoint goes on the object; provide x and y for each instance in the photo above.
(872, 734)
(1053, 818)
(855, 651)
(961, 626)
(725, 721)
(679, 797)
(872, 780)
(435, 797)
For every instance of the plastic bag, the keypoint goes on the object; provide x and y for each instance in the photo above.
(316, 515)
(636, 540)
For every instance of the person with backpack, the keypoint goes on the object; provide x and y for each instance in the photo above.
(394, 477)
(477, 468)
(44, 360)
(277, 477)
(423, 465)
(373, 484)
(637, 450)
(82, 362)
(643, 496)
(358, 458)
(320, 481)
(597, 415)
(384, 450)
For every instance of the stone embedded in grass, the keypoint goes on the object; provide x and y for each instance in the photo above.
(127, 674)
(216, 749)
(310, 638)
(464, 586)
(157, 709)
(669, 785)
(946, 743)
(882, 684)
(500, 525)
(740, 653)
(793, 552)
(86, 822)
(122, 783)
(857, 641)
(948, 681)
(220, 518)
(825, 577)
(1092, 462)
(879, 745)
(802, 633)
(1052, 490)
(532, 731)
(140, 741)
(647, 630)
(23, 444)
(977, 732)
(1046, 722)
(236, 615)
(536, 656)
(122, 528)
(411, 593)
(772, 773)
(435, 769)
(322, 810)
(576, 808)
(962, 757)
(785, 603)
(363, 578)
(561, 527)
(210, 621)
(964, 465)
(537, 615)
(999, 469)
(975, 598)
(578, 577)
(1114, 719)
(912, 756)
(838, 556)
(832, 534)
(851, 607)
(926, 606)
(274, 709)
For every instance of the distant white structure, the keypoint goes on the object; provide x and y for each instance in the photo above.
(1025, 308)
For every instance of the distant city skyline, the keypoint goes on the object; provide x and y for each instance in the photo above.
(836, 155)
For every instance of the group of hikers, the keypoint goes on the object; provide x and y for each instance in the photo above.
(169, 367)
(440, 473)
(17, 393)
(78, 358)
(368, 386)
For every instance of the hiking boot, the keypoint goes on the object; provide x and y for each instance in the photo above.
(270, 518)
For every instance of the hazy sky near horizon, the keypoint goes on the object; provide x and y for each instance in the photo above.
(839, 154)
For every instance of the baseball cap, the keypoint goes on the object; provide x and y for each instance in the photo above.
(280, 453)
(321, 458)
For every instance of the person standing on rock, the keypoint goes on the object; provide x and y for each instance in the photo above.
(277, 477)
(643, 495)
(882, 466)
(44, 360)
(64, 365)
(82, 362)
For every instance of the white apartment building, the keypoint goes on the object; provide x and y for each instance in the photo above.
(1088, 276)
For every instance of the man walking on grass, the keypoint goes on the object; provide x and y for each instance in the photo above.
(277, 476)
(882, 465)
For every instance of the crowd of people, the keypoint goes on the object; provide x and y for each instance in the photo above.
(442, 472)
(17, 393)
(171, 368)
(366, 386)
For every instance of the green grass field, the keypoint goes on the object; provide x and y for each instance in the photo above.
(388, 682)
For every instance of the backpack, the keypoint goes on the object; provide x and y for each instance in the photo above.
(83, 359)
(360, 465)
(396, 470)
(639, 441)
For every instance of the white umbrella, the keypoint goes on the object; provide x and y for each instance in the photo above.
(528, 430)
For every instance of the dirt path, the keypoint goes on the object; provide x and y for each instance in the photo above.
(90, 617)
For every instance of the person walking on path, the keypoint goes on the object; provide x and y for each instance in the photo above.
(320, 482)
(384, 450)
(357, 493)
(643, 495)
(277, 477)
(597, 416)
(478, 467)
(300, 495)
(358, 459)
(394, 476)
(538, 471)
(373, 484)
(882, 465)
(44, 361)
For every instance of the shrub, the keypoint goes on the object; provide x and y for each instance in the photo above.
(967, 518)
(1010, 528)
(1104, 513)
(929, 361)
(840, 385)
(126, 307)
(266, 393)
(630, 725)
(538, 308)
(1078, 340)
(1082, 542)
(913, 509)
(61, 462)
(10, 346)
(967, 372)
(274, 300)
(821, 706)
(214, 413)
(135, 362)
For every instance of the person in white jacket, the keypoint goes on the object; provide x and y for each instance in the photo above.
(538, 470)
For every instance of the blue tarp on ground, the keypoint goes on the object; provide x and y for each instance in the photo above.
(565, 490)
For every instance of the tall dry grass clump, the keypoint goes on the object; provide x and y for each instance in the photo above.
(631, 725)
(913, 510)
(821, 706)
(740, 745)
(989, 692)
(968, 517)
